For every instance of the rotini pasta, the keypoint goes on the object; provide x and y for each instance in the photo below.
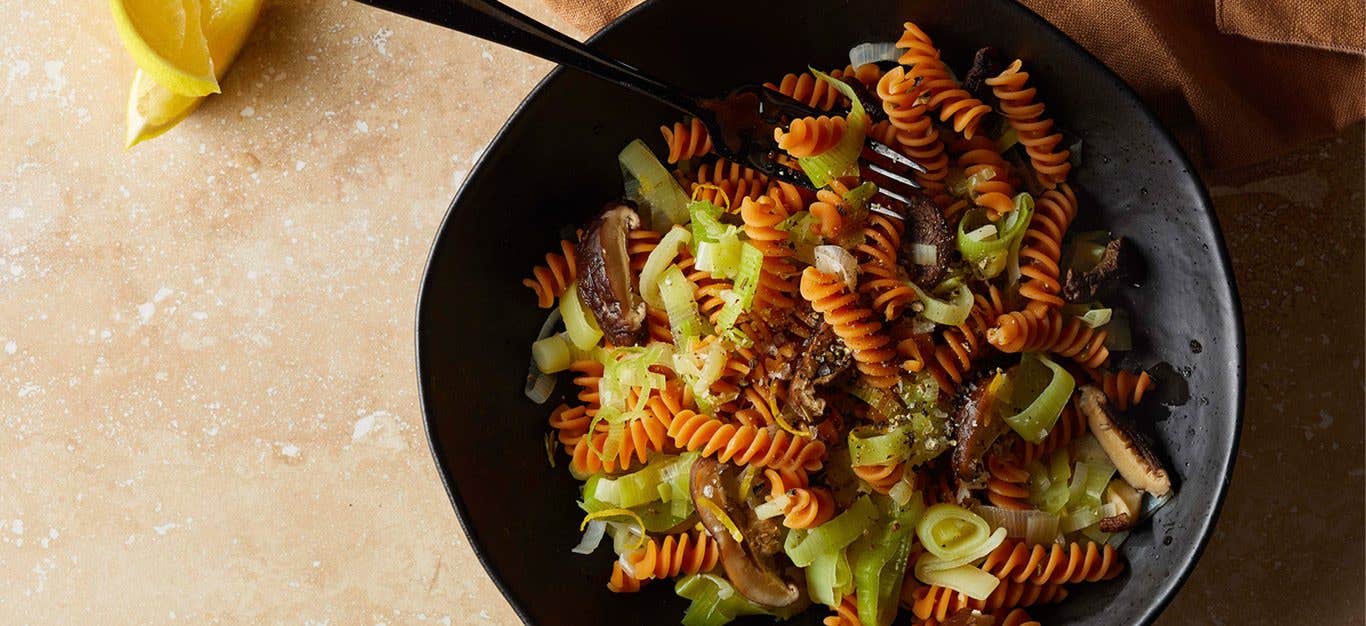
(1047, 331)
(729, 183)
(882, 477)
(1016, 617)
(1053, 564)
(588, 379)
(808, 507)
(808, 90)
(961, 345)
(883, 282)
(1035, 130)
(1124, 388)
(1041, 247)
(931, 77)
(686, 140)
(810, 136)
(674, 555)
(1071, 425)
(570, 424)
(828, 209)
(744, 445)
(914, 132)
(846, 614)
(761, 219)
(939, 603)
(995, 194)
(1007, 483)
(856, 326)
(550, 280)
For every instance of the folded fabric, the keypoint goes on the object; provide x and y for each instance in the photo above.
(1239, 81)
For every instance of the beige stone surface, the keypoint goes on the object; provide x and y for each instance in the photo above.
(208, 410)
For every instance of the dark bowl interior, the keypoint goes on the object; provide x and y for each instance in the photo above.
(554, 164)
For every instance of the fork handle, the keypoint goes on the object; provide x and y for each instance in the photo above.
(496, 22)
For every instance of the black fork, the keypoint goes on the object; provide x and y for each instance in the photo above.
(741, 122)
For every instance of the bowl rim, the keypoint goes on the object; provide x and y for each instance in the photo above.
(1186, 564)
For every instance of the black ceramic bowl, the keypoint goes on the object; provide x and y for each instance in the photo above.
(554, 164)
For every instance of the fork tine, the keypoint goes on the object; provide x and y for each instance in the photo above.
(892, 155)
(892, 176)
(878, 207)
(889, 195)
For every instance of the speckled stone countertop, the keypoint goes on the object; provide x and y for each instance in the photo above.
(206, 364)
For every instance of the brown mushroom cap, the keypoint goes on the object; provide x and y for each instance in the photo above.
(976, 425)
(823, 357)
(1128, 449)
(925, 224)
(605, 284)
(1113, 266)
(754, 575)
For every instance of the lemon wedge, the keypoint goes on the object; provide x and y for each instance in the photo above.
(153, 108)
(166, 39)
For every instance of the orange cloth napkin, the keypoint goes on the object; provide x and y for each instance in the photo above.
(1239, 81)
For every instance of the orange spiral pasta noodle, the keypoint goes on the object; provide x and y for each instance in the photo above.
(674, 555)
(846, 614)
(962, 344)
(808, 90)
(640, 436)
(622, 582)
(639, 244)
(867, 74)
(788, 196)
(881, 279)
(935, 604)
(996, 194)
(911, 348)
(550, 280)
(1007, 483)
(589, 376)
(883, 132)
(570, 424)
(686, 140)
(665, 403)
(827, 211)
(1016, 617)
(932, 78)
(734, 180)
(1054, 563)
(1035, 131)
(881, 477)
(759, 412)
(857, 327)
(1047, 331)
(744, 445)
(657, 325)
(1124, 388)
(914, 132)
(807, 506)
(1041, 247)
(780, 480)
(810, 136)
(1070, 426)
(707, 290)
(761, 218)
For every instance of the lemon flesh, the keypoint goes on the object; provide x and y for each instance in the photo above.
(153, 108)
(166, 39)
